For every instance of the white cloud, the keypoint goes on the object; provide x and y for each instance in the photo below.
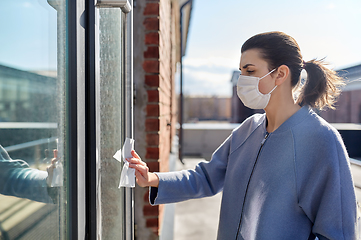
(209, 77)
(27, 5)
(207, 81)
(212, 62)
(200, 88)
(331, 6)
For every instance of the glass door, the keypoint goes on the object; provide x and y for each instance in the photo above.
(66, 97)
(33, 96)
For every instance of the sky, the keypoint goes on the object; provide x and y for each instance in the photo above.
(322, 28)
(28, 35)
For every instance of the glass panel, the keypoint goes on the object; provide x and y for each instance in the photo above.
(110, 130)
(31, 111)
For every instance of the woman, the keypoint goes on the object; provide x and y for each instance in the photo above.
(19, 180)
(284, 174)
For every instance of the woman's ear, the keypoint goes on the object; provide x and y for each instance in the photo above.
(283, 73)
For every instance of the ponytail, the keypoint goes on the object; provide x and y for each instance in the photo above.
(322, 86)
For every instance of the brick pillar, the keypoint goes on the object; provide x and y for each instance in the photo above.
(156, 47)
(158, 83)
(151, 66)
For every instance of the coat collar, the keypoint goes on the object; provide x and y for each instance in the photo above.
(292, 121)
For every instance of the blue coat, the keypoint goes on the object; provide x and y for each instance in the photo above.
(19, 180)
(294, 183)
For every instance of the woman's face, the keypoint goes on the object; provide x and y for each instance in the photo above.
(252, 64)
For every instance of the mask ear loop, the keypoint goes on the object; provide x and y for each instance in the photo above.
(272, 90)
(266, 76)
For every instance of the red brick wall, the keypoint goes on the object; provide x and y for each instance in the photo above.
(159, 65)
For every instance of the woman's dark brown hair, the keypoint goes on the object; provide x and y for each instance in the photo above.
(277, 48)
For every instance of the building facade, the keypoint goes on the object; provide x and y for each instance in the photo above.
(348, 105)
(207, 109)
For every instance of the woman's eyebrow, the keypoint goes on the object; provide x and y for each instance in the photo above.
(247, 65)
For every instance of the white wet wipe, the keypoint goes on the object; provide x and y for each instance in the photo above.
(57, 180)
(127, 177)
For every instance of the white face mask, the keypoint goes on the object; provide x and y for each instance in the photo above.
(248, 92)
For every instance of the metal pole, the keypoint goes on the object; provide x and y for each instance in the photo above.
(181, 84)
(181, 92)
(128, 61)
(127, 230)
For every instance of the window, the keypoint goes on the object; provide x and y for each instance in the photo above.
(65, 92)
(32, 97)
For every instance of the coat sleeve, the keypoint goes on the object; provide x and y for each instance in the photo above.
(326, 193)
(19, 180)
(205, 180)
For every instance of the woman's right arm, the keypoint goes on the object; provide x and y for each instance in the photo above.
(206, 179)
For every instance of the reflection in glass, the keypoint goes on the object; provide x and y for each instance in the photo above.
(32, 100)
